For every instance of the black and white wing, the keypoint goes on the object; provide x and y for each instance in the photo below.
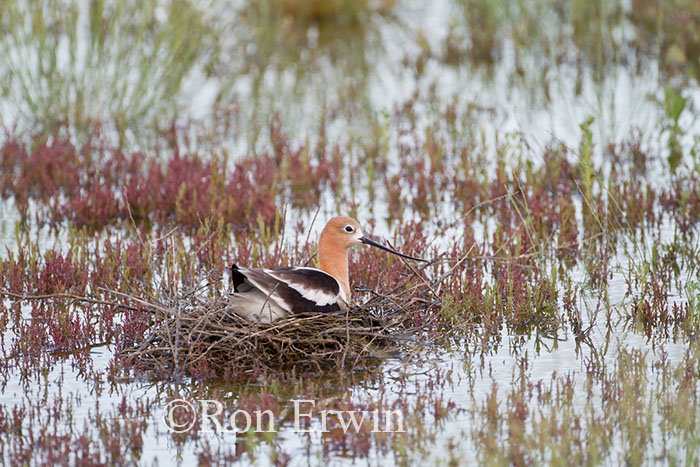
(284, 291)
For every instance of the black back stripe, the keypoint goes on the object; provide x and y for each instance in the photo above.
(309, 279)
(237, 277)
(299, 304)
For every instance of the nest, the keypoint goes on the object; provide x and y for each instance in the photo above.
(201, 336)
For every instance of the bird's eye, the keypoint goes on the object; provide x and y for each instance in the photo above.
(349, 229)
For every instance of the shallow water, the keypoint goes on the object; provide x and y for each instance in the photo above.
(473, 371)
(624, 100)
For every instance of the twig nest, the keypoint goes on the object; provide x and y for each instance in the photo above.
(202, 338)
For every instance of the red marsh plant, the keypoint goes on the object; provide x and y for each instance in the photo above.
(533, 207)
(50, 432)
(305, 171)
(615, 404)
(41, 172)
(96, 187)
(372, 270)
(47, 330)
(682, 202)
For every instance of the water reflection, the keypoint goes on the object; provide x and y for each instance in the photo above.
(134, 67)
(593, 37)
(298, 60)
(290, 61)
(73, 65)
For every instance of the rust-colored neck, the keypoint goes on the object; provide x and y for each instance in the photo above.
(334, 260)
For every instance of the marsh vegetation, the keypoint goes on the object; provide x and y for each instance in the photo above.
(545, 155)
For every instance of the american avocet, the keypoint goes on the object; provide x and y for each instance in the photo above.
(268, 294)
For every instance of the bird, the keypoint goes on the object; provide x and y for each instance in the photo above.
(266, 295)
